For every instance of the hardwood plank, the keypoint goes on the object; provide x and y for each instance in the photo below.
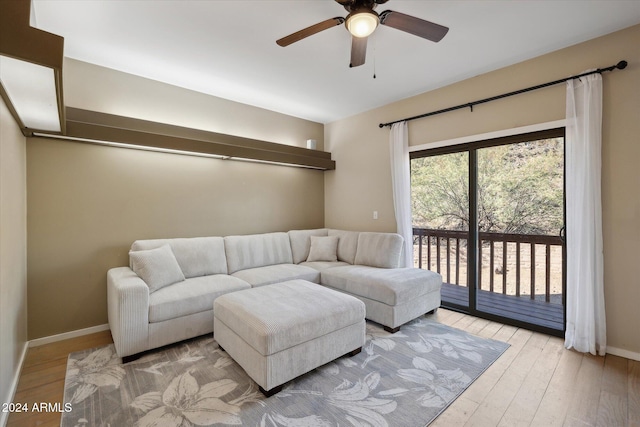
(61, 349)
(457, 414)
(554, 405)
(453, 317)
(612, 408)
(526, 401)
(496, 401)
(489, 330)
(477, 326)
(505, 333)
(34, 378)
(441, 315)
(633, 374)
(464, 322)
(583, 408)
(477, 392)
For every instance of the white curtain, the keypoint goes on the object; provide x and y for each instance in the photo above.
(401, 182)
(586, 326)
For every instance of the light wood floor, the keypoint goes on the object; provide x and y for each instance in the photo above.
(534, 383)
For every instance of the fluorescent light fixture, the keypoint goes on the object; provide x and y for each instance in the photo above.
(30, 70)
(32, 91)
(362, 23)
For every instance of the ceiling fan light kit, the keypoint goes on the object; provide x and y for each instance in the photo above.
(362, 21)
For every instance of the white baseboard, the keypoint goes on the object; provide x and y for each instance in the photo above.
(4, 416)
(623, 353)
(66, 335)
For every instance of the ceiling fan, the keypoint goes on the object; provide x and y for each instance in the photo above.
(362, 20)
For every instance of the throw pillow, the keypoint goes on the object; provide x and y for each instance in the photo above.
(323, 248)
(157, 267)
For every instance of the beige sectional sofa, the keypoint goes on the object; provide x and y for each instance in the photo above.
(166, 294)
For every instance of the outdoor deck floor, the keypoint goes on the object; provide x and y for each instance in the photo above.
(523, 309)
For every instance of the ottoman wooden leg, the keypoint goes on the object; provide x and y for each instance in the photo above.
(269, 393)
(391, 330)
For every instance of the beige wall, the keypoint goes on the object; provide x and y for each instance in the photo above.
(13, 252)
(88, 203)
(362, 183)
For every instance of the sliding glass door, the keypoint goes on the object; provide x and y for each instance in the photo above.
(488, 216)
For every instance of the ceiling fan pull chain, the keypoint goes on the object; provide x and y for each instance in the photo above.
(374, 57)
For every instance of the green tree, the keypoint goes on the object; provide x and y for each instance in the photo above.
(520, 189)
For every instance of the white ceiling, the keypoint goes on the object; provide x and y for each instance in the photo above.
(228, 49)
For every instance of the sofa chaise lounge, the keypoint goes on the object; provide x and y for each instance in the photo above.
(166, 294)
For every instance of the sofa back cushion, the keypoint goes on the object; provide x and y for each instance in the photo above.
(347, 244)
(301, 243)
(257, 250)
(196, 256)
(379, 249)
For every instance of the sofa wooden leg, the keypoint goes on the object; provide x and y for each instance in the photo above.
(269, 393)
(354, 352)
(391, 330)
(431, 312)
(131, 358)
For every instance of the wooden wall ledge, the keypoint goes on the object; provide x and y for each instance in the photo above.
(102, 128)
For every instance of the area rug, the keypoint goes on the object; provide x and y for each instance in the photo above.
(404, 379)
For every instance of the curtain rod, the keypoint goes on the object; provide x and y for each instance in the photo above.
(620, 66)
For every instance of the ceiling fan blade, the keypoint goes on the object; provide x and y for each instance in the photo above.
(309, 31)
(358, 51)
(411, 24)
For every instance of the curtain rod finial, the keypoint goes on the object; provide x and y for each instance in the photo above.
(621, 65)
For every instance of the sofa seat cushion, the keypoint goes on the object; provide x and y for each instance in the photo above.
(270, 274)
(280, 316)
(322, 265)
(191, 296)
(391, 286)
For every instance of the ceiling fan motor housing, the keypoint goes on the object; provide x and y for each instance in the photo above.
(352, 5)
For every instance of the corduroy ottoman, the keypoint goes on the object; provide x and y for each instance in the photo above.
(281, 331)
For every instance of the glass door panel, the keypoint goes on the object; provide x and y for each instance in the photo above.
(440, 209)
(520, 213)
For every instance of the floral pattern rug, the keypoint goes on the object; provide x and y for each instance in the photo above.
(404, 379)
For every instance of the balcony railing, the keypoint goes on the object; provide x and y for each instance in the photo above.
(511, 264)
